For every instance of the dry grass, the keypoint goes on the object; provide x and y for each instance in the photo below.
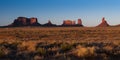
(60, 43)
(81, 51)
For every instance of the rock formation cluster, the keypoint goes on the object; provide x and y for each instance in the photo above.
(23, 21)
(72, 23)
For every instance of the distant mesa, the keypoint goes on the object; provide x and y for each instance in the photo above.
(23, 21)
(103, 23)
(68, 23)
(49, 24)
(72, 23)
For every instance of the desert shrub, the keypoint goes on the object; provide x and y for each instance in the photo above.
(5, 44)
(108, 48)
(84, 51)
(13, 46)
(22, 48)
(65, 47)
(41, 51)
(37, 57)
(2, 52)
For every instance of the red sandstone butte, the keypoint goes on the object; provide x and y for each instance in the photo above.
(72, 23)
(23, 21)
(68, 22)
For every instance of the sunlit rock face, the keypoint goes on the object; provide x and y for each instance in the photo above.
(67, 22)
(72, 23)
(80, 23)
(103, 23)
(33, 20)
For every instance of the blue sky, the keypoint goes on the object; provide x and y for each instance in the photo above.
(90, 11)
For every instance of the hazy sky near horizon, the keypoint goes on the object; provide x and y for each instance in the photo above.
(90, 11)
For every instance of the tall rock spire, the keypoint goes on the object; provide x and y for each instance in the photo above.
(79, 22)
(103, 23)
(49, 24)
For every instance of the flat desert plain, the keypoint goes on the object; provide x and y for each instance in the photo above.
(60, 43)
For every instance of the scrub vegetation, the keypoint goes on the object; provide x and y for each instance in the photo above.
(60, 43)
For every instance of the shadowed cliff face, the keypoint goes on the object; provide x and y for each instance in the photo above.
(49, 24)
(103, 23)
(23, 21)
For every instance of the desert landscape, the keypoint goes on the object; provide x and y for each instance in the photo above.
(60, 30)
(60, 43)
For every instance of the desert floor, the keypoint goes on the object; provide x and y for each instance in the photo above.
(60, 43)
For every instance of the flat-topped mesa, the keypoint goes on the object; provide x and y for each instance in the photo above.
(20, 21)
(103, 23)
(49, 24)
(68, 23)
(72, 23)
(23, 21)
